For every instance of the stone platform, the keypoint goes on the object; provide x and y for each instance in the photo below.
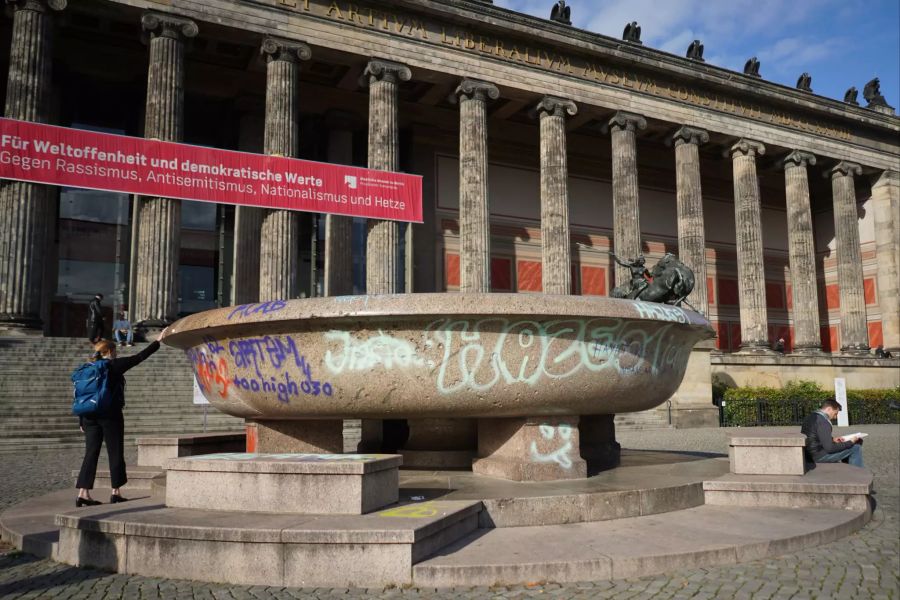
(461, 529)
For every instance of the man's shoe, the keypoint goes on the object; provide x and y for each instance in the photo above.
(79, 502)
(115, 499)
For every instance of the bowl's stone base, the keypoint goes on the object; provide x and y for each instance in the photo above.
(530, 449)
(344, 484)
(322, 436)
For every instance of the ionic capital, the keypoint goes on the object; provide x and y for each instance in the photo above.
(286, 50)
(625, 121)
(799, 158)
(689, 135)
(555, 107)
(385, 70)
(168, 26)
(844, 169)
(473, 89)
(41, 6)
(745, 147)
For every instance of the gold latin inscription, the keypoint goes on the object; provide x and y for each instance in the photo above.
(550, 60)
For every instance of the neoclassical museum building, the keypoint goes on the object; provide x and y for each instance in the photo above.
(543, 149)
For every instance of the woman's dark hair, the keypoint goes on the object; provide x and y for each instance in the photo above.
(103, 349)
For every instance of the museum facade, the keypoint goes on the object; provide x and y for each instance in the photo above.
(543, 149)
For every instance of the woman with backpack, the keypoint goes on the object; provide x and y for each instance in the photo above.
(107, 424)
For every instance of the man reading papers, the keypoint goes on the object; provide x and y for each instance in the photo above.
(823, 448)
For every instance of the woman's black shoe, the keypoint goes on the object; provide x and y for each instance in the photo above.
(79, 502)
(115, 499)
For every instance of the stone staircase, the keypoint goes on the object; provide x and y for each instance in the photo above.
(36, 395)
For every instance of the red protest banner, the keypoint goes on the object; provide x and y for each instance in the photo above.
(117, 163)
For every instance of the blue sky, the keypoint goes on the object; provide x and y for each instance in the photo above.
(841, 43)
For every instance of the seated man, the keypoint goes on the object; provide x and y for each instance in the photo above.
(823, 448)
(122, 329)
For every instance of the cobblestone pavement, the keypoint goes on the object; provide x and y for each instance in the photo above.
(861, 566)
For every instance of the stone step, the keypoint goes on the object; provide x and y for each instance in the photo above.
(699, 537)
(372, 550)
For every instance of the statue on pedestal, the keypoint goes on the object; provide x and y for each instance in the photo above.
(670, 281)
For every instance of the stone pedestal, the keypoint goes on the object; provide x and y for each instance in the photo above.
(153, 451)
(692, 403)
(691, 229)
(336, 484)
(625, 191)
(854, 332)
(296, 436)
(382, 242)
(530, 449)
(556, 275)
(886, 198)
(598, 445)
(748, 225)
(26, 208)
(765, 453)
(802, 254)
(440, 444)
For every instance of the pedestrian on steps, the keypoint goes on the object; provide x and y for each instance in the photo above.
(108, 427)
(95, 320)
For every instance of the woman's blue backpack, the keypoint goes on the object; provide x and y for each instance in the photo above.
(92, 393)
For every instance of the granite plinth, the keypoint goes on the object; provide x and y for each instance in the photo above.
(767, 453)
(154, 451)
(284, 483)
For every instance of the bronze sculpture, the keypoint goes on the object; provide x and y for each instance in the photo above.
(670, 281)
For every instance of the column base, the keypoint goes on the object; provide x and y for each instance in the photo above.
(17, 329)
(306, 436)
(440, 444)
(530, 449)
(808, 351)
(149, 330)
(757, 348)
(856, 350)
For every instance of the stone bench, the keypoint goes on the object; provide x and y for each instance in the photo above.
(767, 453)
(156, 450)
(336, 484)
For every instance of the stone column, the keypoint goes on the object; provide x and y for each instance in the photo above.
(26, 208)
(748, 227)
(555, 239)
(886, 201)
(247, 242)
(802, 254)
(247, 220)
(626, 210)
(159, 243)
(691, 232)
(338, 229)
(279, 254)
(854, 333)
(474, 210)
(382, 242)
